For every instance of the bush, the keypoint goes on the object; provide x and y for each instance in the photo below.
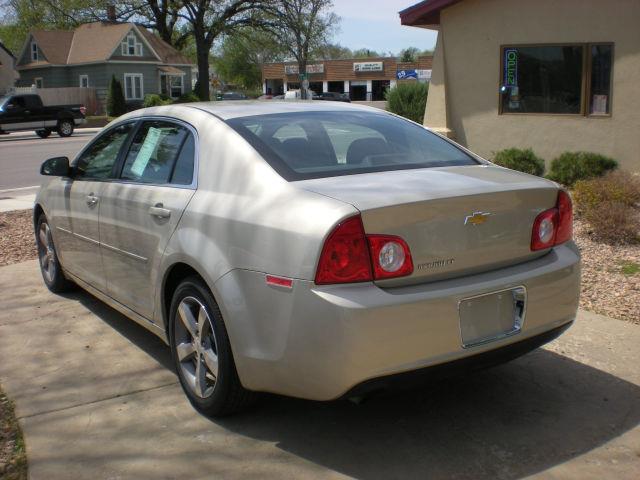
(618, 187)
(408, 100)
(570, 167)
(614, 222)
(522, 160)
(116, 104)
(187, 98)
(154, 100)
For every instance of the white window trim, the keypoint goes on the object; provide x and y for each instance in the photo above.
(137, 46)
(35, 82)
(34, 52)
(83, 77)
(132, 76)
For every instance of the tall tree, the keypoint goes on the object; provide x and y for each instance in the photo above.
(302, 26)
(409, 54)
(366, 53)
(208, 19)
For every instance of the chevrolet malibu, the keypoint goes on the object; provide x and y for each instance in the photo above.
(317, 250)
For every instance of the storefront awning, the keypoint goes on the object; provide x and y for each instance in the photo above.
(170, 70)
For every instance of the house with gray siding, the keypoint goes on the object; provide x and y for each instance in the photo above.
(94, 52)
(8, 73)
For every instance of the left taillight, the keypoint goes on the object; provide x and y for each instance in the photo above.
(554, 226)
(349, 255)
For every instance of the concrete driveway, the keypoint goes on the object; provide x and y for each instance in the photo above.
(97, 398)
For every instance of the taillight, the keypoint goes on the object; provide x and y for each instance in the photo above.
(390, 256)
(345, 255)
(553, 226)
(348, 255)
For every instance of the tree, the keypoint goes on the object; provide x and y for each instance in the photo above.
(366, 53)
(116, 104)
(208, 19)
(302, 27)
(409, 54)
(332, 51)
(243, 52)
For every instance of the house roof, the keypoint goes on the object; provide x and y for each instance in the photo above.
(6, 50)
(96, 42)
(424, 14)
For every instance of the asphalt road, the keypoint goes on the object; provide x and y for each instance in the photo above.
(22, 154)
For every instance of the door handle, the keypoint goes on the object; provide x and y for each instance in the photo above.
(159, 212)
(91, 200)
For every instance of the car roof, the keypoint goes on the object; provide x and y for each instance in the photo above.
(248, 108)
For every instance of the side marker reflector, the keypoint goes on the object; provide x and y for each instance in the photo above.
(279, 281)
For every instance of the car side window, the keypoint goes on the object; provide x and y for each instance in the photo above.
(161, 152)
(97, 161)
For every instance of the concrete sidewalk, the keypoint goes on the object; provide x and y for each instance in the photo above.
(97, 398)
(17, 198)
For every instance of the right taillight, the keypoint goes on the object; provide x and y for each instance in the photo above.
(553, 226)
(348, 255)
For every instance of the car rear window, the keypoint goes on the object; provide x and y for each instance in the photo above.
(305, 145)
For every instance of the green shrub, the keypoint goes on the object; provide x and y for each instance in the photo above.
(619, 187)
(154, 100)
(408, 100)
(522, 160)
(116, 104)
(187, 98)
(570, 167)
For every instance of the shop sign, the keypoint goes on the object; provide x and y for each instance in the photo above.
(406, 74)
(293, 69)
(367, 67)
(424, 74)
(510, 67)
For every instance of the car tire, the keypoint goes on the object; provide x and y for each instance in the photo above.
(202, 354)
(50, 267)
(65, 128)
(43, 133)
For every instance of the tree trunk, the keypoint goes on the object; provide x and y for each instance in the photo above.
(202, 51)
(302, 70)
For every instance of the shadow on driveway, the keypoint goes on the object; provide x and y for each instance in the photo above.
(507, 422)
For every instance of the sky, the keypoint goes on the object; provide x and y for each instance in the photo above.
(375, 24)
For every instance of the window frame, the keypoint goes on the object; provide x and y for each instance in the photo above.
(136, 45)
(38, 79)
(82, 77)
(133, 76)
(35, 56)
(585, 87)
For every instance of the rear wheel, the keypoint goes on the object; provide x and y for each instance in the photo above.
(65, 128)
(43, 133)
(202, 353)
(50, 268)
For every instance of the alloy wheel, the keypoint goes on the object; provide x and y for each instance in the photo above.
(65, 128)
(196, 347)
(46, 252)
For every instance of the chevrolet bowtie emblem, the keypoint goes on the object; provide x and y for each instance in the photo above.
(478, 218)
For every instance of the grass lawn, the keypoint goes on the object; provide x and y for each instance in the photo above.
(13, 456)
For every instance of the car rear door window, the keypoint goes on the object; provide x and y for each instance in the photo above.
(161, 152)
(97, 161)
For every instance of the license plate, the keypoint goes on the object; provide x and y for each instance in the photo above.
(491, 316)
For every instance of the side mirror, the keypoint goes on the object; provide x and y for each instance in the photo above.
(56, 167)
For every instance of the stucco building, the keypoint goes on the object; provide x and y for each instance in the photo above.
(554, 75)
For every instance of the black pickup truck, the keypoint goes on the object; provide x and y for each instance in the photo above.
(26, 112)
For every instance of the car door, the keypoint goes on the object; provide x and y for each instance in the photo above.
(140, 210)
(15, 116)
(78, 222)
(35, 111)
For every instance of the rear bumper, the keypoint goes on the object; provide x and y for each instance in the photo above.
(319, 342)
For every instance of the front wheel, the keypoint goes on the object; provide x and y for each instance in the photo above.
(50, 268)
(202, 353)
(43, 133)
(65, 128)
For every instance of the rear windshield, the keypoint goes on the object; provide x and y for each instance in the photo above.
(305, 145)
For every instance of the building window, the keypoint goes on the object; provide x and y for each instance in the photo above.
(176, 86)
(84, 81)
(34, 52)
(39, 83)
(556, 79)
(130, 47)
(133, 86)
